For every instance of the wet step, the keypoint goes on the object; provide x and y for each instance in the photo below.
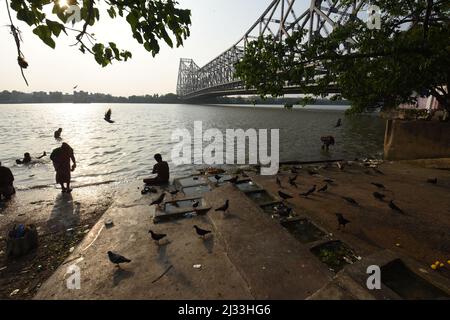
(181, 209)
(261, 197)
(407, 284)
(304, 230)
(335, 254)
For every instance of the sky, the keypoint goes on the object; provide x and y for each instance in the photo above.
(216, 26)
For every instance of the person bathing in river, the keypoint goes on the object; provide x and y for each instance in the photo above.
(161, 168)
(61, 161)
(57, 134)
(27, 158)
(6, 183)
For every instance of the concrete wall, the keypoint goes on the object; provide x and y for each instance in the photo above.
(408, 140)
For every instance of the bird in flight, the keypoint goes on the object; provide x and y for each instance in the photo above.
(75, 87)
(117, 259)
(108, 116)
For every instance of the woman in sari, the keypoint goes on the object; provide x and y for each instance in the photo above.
(61, 161)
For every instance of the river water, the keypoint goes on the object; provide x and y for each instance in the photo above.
(124, 151)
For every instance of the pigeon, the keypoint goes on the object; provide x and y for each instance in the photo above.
(379, 196)
(224, 208)
(279, 182)
(378, 185)
(233, 180)
(339, 123)
(201, 232)
(341, 220)
(195, 204)
(323, 189)
(284, 196)
(309, 192)
(394, 207)
(159, 200)
(157, 236)
(351, 201)
(174, 192)
(377, 171)
(292, 181)
(117, 259)
(217, 177)
(432, 181)
(108, 116)
(75, 87)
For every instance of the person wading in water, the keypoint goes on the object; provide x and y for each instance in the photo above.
(61, 161)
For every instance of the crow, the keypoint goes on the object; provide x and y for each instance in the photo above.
(224, 208)
(292, 181)
(157, 236)
(108, 116)
(378, 185)
(201, 232)
(159, 200)
(284, 196)
(394, 207)
(351, 201)
(379, 196)
(432, 181)
(117, 259)
(309, 192)
(339, 123)
(341, 220)
(323, 189)
(233, 180)
(279, 182)
(217, 177)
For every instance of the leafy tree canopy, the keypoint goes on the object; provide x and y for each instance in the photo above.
(149, 20)
(408, 55)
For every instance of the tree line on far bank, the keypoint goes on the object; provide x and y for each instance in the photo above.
(12, 97)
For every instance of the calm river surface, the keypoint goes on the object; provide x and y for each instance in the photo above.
(124, 150)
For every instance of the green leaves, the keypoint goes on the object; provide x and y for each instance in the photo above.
(149, 20)
(45, 34)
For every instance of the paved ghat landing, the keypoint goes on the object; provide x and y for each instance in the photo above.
(248, 256)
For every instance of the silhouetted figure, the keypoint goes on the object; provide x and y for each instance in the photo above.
(27, 158)
(57, 134)
(6, 183)
(327, 142)
(108, 116)
(61, 162)
(339, 123)
(161, 168)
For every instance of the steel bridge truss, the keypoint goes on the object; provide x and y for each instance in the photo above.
(279, 20)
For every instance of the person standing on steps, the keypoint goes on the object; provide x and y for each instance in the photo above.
(61, 162)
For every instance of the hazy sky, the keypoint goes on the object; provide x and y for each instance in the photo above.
(216, 25)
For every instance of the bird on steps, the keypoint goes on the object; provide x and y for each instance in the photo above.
(108, 116)
(378, 185)
(341, 220)
(351, 201)
(217, 177)
(284, 196)
(224, 208)
(309, 192)
(117, 259)
(157, 236)
(394, 207)
(174, 192)
(292, 181)
(201, 232)
(159, 200)
(195, 204)
(379, 196)
(323, 189)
